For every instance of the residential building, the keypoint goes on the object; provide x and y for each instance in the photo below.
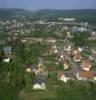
(86, 65)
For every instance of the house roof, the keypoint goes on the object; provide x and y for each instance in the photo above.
(86, 63)
(77, 56)
(34, 66)
(93, 51)
(86, 74)
(40, 78)
(72, 52)
(7, 49)
(67, 46)
(60, 74)
(95, 74)
(7, 60)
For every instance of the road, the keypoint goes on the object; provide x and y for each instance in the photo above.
(74, 66)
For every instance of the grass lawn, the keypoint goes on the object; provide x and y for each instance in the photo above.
(76, 90)
(51, 84)
(86, 54)
(93, 66)
(40, 95)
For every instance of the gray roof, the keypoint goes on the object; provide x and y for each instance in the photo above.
(34, 66)
(7, 49)
(40, 79)
(95, 74)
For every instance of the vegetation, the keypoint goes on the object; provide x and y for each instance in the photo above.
(81, 15)
(15, 83)
(52, 15)
(80, 39)
(76, 90)
(12, 75)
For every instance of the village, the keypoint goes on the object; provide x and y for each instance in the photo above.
(49, 52)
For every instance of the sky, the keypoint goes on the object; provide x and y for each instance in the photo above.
(48, 4)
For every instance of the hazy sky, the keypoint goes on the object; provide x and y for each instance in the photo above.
(45, 4)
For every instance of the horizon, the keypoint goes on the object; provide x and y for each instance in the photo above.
(48, 9)
(48, 4)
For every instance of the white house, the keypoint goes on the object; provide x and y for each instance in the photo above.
(6, 60)
(62, 77)
(86, 65)
(39, 86)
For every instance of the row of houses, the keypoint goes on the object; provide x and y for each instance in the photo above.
(7, 54)
(40, 75)
(85, 64)
(85, 72)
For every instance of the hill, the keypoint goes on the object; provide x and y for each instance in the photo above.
(81, 14)
(52, 14)
(10, 12)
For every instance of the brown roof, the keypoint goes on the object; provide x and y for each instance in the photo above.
(72, 52)
(86, 63)
(78, 56)
(60, 74)
(87, 74)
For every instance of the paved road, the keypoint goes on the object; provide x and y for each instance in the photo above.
(74, 66)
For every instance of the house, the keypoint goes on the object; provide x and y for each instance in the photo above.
(61, 57)
(67, 47)
(23, 41)
(80, 49)
(69, 35)
(69, 19)
(54, 49)
(39, 86)
(86, 24)
(66, 65)
(62, 77)
(77, 57)
(28, 70)
(7, 50)
(93, 56)
(40, 69)
(85, 75)
(65, 28)
(32, 68)
(51, 40)
(39, 82)
(7, 60)
(40, 61)
(79, 29)
(86, 65)
(93, 50)
(75, 51)
(35, 68)
(94, 76)
(71, 53)
(93, 34)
